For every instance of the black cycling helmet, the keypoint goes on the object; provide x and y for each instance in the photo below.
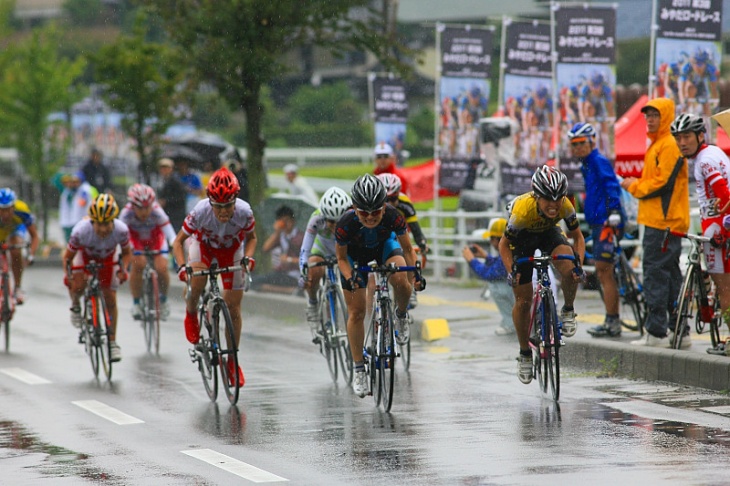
(549, 183)
(368, 193)
(687, 123)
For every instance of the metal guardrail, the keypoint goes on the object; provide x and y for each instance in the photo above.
(277, 157)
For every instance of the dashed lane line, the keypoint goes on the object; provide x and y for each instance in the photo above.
(234, 466)
(24, 376)
(106, 412)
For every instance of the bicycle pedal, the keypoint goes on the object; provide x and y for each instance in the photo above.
(316, 340)
(195, 355)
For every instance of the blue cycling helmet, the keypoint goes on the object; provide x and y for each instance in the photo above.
(701, 56)
(581, 130)
(7, 197)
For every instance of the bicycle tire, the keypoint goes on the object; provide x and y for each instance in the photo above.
(387, 355)
(206, 351)
(102, 329)
(89, 337)
(632, 295)
(227, 354)
(371, 361)
(405, 349)
(716, 325)
(7, 309)
(687, 306)
(327, 316)
(343, 344)
(552, 346)
(151, 310)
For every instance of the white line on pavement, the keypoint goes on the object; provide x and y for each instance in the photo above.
(239, 468)
(24, 376)
(107, 412)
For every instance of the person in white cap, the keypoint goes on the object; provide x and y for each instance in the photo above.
(385, 164)
(298, 185)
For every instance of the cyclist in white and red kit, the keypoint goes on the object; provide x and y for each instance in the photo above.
(222, 228)
(97, 239)
(149, 229)
(711, 171)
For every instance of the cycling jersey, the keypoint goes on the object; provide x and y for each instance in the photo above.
(406, 208)
(526, 217)
(22, 218)
(153, 233)
(202, 224)
(318, 239)
(603, 192)
(712, 172)
(365, 244)
(87, 246)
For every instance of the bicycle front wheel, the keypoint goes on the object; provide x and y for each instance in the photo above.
(552, 347)
(371, 360)
(386, 355)
(631, 293)
(89, 337)
(405, 349)
(687, 307)
(7, 309)
(151, 308)
(206, 352)
(228, 363)
(328, 344)
(339, 330)
(102, 328)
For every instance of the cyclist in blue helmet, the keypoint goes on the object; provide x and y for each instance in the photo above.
(16, 224)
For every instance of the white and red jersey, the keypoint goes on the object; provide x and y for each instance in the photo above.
(151, 233)
(711, 170)
(83, 239)
(202, 224)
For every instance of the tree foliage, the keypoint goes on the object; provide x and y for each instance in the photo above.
(34, 83)
(143, 80)
(238, 47)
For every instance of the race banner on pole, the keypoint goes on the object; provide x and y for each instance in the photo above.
(466, 63)
(688, 54)
(390, 109)
(585, 41)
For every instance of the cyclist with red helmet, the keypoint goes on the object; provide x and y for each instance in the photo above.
(149, 229)
(222, 229)
(97, 239)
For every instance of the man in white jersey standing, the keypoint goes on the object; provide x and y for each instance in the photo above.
(711, 171)
(97, 239)
(222, 227)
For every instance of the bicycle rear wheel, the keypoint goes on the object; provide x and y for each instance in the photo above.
(387, 355)
(405, 349)
(7, 309)
(632, 297)
(207, 354)
(89, 337)
(717, 335)
(151, 309)
(102, 326)
(339, 329)
(328, 343)
(229, 354)
(552, 348)
(687, 307)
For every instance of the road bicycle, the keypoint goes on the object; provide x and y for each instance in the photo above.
(332, 311)
(546, 336)
(211, 354)
(693, 300)
(150, 301)
(381, 348)
(630, 289)
(7, 304)
(96, 323)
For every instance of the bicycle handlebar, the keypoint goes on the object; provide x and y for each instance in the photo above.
(215, 270)
(149, 252)
(545, 258)
(329, 261)
(17, 246)
(389, 268)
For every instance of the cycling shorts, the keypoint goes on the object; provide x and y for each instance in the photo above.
(225, 257)
(527, 243)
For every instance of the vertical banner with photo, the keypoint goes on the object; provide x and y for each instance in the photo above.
(463, 96)
(585, 43)
(688, 54)
(390, 110)
(527, 97)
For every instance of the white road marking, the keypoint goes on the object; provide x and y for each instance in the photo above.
(239, 468)
(24, 376)
(107, 412)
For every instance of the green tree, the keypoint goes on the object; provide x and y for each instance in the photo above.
(143, 81)
(35, 82)
(238, 47)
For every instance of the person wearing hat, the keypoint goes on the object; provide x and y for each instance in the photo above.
(492, 270)
(298, 185)
(663, 194)
(385, 164)
(171, 193)
(74, 202)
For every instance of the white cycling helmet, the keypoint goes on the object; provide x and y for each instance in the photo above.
(334, 203)
(391, 182)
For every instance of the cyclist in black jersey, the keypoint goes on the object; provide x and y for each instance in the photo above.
(376, 231)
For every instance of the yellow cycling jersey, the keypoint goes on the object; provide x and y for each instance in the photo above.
(525, 216)
(406, 208)
(21, 216)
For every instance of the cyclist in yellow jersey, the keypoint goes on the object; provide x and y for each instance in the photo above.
(16, 222)
(532, 225)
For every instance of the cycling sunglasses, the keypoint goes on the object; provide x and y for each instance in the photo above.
(374, 213)
(222, 205)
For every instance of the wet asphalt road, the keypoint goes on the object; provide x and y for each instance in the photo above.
(460, 416)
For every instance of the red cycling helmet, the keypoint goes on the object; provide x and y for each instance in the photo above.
(223, 186)
(141, 195)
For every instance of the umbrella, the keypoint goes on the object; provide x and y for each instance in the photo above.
(209, 145)
(181, 152)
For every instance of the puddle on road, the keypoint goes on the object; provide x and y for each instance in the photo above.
(16, 441)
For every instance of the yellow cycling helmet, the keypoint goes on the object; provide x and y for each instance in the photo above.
(496, 228)
(103, 209)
